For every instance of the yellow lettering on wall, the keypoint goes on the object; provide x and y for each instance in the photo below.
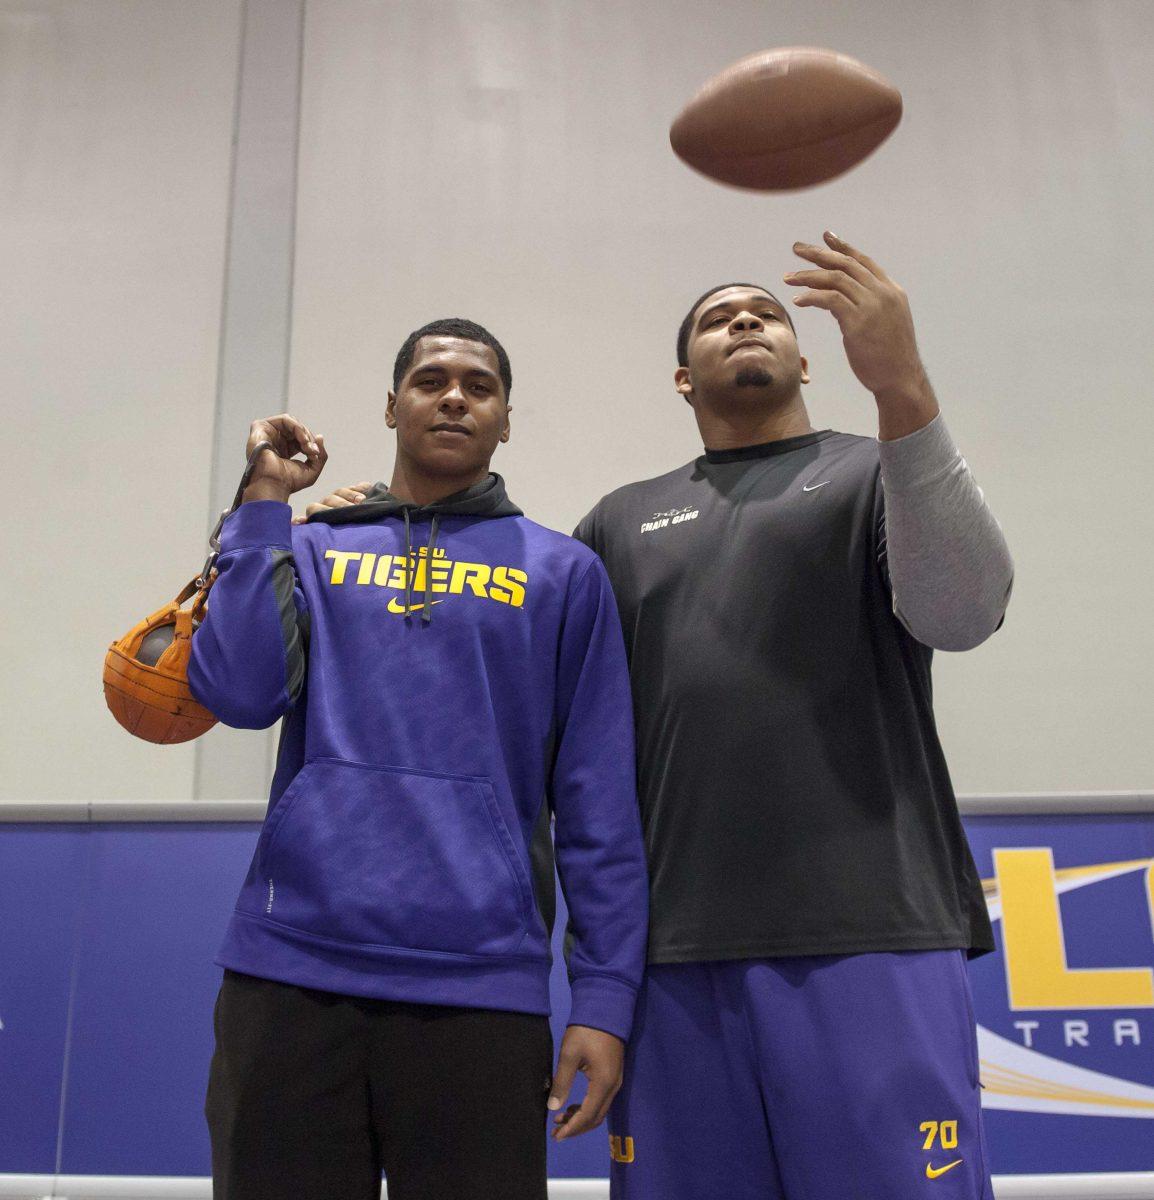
(1150, 893)
(1036, 969)
(341, 559)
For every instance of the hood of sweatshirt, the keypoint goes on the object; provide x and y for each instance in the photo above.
(485, 499)
(482, 500)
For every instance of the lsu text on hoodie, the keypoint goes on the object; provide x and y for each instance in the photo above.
(448, 675)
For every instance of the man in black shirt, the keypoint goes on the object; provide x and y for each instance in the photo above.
(804, 1030)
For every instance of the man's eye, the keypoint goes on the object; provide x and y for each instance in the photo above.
(482, 388)
(718, 320)
(772, 316)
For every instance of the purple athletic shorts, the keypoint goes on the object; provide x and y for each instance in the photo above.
(828, 1078)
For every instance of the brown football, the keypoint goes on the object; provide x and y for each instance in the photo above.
(786, 118)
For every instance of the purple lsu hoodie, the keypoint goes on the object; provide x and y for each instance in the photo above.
(449, 677)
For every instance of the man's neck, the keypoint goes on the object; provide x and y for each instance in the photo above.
(734, 425)
(416, 487)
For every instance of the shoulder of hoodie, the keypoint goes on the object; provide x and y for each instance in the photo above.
(567, 549)
(567, 564)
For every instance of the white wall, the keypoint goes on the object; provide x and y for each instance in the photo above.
(509, 162)
(115, 129)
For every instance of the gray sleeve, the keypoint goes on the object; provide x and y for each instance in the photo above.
(949, 566)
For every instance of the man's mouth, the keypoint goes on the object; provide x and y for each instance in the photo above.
(451, 427)
(748, 342)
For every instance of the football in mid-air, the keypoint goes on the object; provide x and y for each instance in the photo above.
(786, 118)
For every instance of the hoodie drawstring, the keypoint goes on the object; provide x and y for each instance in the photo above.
(411, 567)
(427, 611)
(408, 565)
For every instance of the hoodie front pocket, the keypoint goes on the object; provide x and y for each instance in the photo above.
(388, 857)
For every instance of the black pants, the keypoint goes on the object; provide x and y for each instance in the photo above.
(312, 1094)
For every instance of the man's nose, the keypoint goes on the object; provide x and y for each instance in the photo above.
(746, 321)
(454, 398)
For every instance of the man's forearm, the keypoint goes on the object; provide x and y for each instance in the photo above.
(950, 568)
(267, 489)
(908, 406)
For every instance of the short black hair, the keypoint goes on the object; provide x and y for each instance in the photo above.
(458, 327)
(687, 324)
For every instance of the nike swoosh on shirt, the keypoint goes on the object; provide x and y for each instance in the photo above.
(398, 606)
(813, 487)
(933, 1172)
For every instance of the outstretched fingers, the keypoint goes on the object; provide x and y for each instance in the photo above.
(834, 260)
(841, 246)
(833, 302)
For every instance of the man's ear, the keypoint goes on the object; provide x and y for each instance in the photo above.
(683, 383)
(505, 431)
(391, 411)
(804, 370)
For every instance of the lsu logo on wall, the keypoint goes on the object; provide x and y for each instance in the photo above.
(1025, 895)
(505, 585)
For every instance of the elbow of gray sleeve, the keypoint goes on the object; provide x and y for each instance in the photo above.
(965, 626)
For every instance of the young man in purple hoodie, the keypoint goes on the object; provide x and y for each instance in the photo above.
(449, 674)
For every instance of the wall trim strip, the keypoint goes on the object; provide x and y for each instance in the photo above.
(1119, 1186)
(83, 811)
